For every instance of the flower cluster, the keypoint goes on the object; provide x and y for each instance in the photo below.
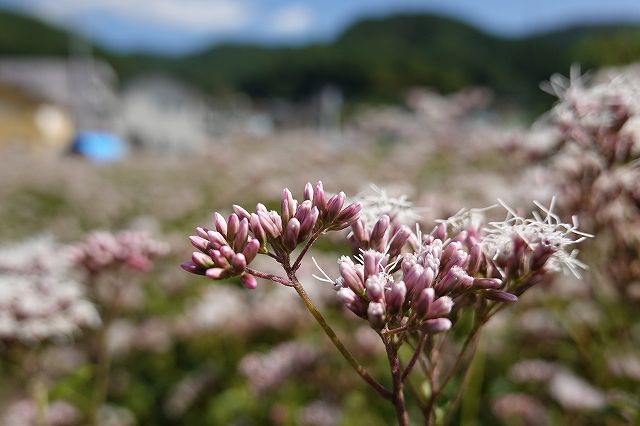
(594, 162)
(39, 301)
(102, 251)
(459, 261)
(227, 249)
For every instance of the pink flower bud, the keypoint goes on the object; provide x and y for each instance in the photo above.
(276, 220)
(379, 234)
(352, 301)
(450, 280)
(227, 252)
(475, 259)
(233, 225)
(216, 273)
(251, 249)
(249, 281)
(423, 303)
(371, 263)
(202, 260)
(375, 314)
(261, 208)
(398, 240)
(319, 197)
(334, 205)
(375, 289)
(202, 232)
(411, 277)
(241, 212)
(268, 226)
(451, 249)
(257, 229)
(285, 205)
(500, 296)
(291, 235)
(219, 260)
(540, 255)
(360, 234)
(308, 192)
(192, 267)
(307, 225)
(440, 233)
(395, 296)
(220, 223)
(303, 210)
(216, 239)
(241, 236)
(199, 242)
(437, 325)
(350, 276)
(487, 283)
(440, 307)
(349, 214)
(238, 262)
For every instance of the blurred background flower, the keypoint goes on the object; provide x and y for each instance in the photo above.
(151, 115)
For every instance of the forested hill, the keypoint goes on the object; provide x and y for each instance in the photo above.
(374, 59)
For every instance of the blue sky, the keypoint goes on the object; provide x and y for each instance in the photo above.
(179, 26)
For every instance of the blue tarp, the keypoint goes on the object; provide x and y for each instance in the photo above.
(98, 146)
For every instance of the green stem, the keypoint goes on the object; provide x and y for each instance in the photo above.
(362, 372)
(102, 369)
(41, 399)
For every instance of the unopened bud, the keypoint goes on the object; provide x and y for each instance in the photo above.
(540, 255)
(257, 229)
(360, 234)
(349, 214)
(241, 236)
(487, 283)
(395, 296)
(238, 262)
(422, 305)
(437, 325)
(375, 289)
(202, 260)
(216, 273)
(251, 249)
(350, 276)
(308, 192)
(440, 307)
(233, 225)
(249, 281)
(379, 234)
(440, 233)
(398, 240)
(241, 212)
(319, 197)
(220, 223)
(291, 234)
(375, 314)
(192, 267)
(216, 239)
(199, 242)
(500, 296)
(306, 226)
(334, 206)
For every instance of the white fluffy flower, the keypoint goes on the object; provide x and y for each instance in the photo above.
(378, 202)
(548, 229)
(38, 299)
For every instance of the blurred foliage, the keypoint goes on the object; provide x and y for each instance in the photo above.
(373, 60)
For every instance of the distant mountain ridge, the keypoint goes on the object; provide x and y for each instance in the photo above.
(374, 59)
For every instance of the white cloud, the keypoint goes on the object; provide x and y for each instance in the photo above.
(291, 20)
(210, 16)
